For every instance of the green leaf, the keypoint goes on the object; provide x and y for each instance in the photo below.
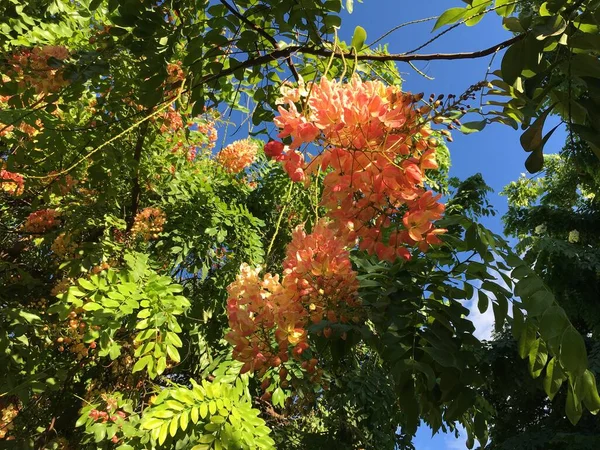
(585, 41)
(350, 6)
(449, 16)
(500, 308)
(535, 162)
(358, 39)
(151, 423)
(554, 6)
(505, 8)
(573, 407)
(552, 326)
(94, 4)
(141, 363)
(591, 399)
(183, 419)
(512, 63)
(527, 339)
(86, 284)
(91, 306)
(172, 338)
(482, 302)
(476, 13)
(513, 24)
(473, 127)
(518, 322)
(531, 139)
(573, 355)
(538, 303)
(554, 378)
(552, 26)
(161, 365)
(538, 356)
(162, 434)
(203, 410)
(585, 65)
(278, 397)
(194, 414)
(173, 353)
(173, 426)
(163, 413)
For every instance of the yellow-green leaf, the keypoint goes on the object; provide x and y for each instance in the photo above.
(183, 419)
(203, 410)
(554, 378)
(591, 399)
(86, 284)
(173, 426)
(449, 16)
(173, 353)
(358, 38)
(151, 423)
(162, 435)
(194, 414)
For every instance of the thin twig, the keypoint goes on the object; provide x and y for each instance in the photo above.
(397, 27)
(264, 34)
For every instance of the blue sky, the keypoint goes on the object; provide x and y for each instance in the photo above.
(495, 152)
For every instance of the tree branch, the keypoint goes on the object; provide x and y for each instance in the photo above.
(136, 189)
(398, 57)
(264, 34)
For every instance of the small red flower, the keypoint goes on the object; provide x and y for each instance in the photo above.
(274, 149)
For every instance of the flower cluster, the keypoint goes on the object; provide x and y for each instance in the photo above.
(148, 223)
(207, 128)
(318, 272)
(269, 317)
(30, 130)
(188, 150)
(11, 182)
(63, 245)
(8, 413)
(175, 72)
(171, 120)
(378, 147)
(110, 414)
(41, 221)
(238, 155)
(65, 184)
(34, 68)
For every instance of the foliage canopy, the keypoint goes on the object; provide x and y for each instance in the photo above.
(162, 289)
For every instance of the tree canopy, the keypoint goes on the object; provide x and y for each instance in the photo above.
(167, 286)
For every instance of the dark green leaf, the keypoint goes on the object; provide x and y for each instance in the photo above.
(473, 127)
(512, 63)
(573, 355)
(573, 407)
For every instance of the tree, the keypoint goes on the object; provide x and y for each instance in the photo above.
(555, 218)
(163, 291)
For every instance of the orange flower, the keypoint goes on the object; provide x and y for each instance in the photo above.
(41, 221)
(238, 155)
(376, 154)
(11, 182)
(148, 223)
